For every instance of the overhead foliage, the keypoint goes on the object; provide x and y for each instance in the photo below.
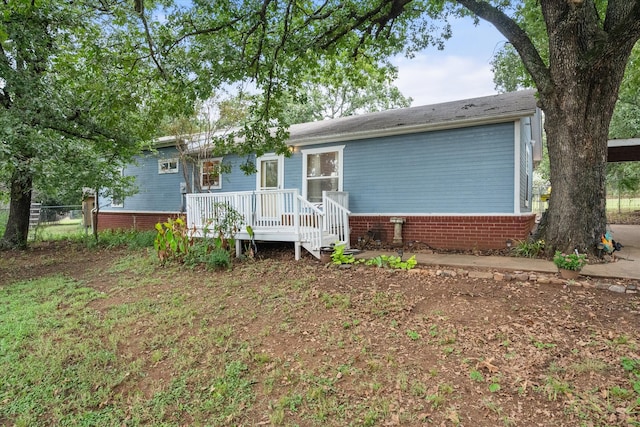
(77, 96)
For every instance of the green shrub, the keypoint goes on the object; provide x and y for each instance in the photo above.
(204, 251)
(218, 259)
(528, 249)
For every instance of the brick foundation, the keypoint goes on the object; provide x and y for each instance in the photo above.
(132, 220)
(447, 232)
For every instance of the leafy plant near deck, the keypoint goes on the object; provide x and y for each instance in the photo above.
(224, 225)
(392, 261)
(338, 256)
(173, 240)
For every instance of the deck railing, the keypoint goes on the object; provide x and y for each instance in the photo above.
(280, 211)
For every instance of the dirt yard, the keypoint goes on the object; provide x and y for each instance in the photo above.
(363, 346)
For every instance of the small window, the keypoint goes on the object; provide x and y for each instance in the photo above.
(167, 166)
(210, 174)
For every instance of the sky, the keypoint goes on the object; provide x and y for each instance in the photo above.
(462, 70)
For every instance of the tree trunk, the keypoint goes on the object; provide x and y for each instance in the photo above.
(17, 230)
(578, 156)
(578, 96)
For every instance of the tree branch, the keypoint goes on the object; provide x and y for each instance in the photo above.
(518, 38)
(139, 7)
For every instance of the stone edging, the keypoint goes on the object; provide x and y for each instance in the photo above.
(581, 282)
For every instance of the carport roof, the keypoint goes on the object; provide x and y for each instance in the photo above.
(624, 150)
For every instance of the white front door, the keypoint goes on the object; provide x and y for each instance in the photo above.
(270, 172)
(270, 176)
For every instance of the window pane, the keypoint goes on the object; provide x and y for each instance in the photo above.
(322, 164)
(315, 187)
(210, 174)
(269, 178)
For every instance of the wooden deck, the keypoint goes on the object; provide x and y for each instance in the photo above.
(276, 216)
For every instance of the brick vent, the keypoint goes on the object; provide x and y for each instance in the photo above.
(447, 232)
(130, 220)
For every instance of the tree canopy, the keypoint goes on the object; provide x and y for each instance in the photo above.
(77, 97)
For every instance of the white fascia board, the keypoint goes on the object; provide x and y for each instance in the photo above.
(516, 167)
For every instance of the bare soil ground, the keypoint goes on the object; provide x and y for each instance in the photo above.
(367, 346)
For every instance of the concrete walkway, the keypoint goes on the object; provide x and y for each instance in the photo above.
(627, 265)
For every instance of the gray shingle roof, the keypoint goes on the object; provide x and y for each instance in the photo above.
(467, 112)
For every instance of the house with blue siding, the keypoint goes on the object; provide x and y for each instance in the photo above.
(456, 175)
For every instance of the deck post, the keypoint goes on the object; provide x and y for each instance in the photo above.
(238, 248)
(297, 245)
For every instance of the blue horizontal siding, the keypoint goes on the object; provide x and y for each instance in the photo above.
(467, 170)
(156, 192)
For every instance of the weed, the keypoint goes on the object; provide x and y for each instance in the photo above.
(413, 335)
(476, 376)
(418, 389)
(402, 381)
(620, 392)
(554, 387)
(492, 406)
(494, 387)
(541, 345)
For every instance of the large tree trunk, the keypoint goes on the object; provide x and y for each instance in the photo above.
(578, 155)
(17, 230)
(578, 107)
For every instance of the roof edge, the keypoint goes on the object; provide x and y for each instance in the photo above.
(425, 127)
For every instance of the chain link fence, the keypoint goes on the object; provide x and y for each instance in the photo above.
(49, 217)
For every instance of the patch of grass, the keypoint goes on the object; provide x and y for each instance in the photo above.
(50, 357)
(336, 300)
(589, 365)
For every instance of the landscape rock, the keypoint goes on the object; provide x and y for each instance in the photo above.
(618, 289)
(480, 274)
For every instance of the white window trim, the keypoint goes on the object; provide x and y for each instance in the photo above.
(517, 144)
(270, 156)
(210, 187)
(162, 171)
(305, 153)
(529, 177)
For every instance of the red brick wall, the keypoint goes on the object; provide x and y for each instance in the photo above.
(137, 221)
(447, 232)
